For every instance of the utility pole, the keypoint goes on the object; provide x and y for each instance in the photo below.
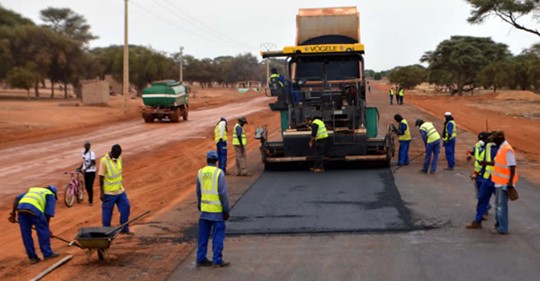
(126, 59)
(181, 64)
(268, 46)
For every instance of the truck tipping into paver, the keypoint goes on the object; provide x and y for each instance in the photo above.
(165, 100)
(325, 79)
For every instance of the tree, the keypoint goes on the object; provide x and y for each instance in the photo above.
(19, 77)
(496, 74)
(509, 11)
(10, 18)
(68, 23)
(408, 76)
(456, 62)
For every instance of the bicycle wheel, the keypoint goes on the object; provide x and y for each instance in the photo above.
(80, 192)
(69, 196)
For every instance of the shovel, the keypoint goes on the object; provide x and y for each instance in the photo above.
(126, 223)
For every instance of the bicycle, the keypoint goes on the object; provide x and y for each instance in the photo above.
(74, 189)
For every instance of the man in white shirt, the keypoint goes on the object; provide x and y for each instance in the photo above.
(220, 137)
(88, 168)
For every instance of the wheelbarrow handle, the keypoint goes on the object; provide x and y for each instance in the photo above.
(126, 223)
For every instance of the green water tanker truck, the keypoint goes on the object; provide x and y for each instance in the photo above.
(165, 100)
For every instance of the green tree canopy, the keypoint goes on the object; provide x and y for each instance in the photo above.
(456, 62)
(10, 18)
(408, 76)
(68, 23)
(510, 11)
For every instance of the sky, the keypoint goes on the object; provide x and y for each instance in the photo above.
(394, 32)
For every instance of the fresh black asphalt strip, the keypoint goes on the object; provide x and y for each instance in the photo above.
(334, 201)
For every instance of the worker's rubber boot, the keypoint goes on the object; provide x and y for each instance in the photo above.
(222, 264)
(474, 225)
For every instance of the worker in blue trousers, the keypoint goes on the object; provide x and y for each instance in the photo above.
(112, 189)
(220, 137)
(432, 141)
(487, 187)
(404, 133)
(478, 152)
(36, 208)
(213, 203)
(449, 140)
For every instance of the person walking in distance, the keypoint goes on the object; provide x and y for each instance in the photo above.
(391, 95)
(213, 203)
(240, 142)
(449, 140)
(220, 137)
(88, 168)
(432, 142)
(505, 177)
(36, 207)
(112, 190)
(404, 133)
(319, 139)
(486, 188)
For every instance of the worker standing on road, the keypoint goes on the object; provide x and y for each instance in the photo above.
(35, 208)
(404, 133)
(487, 187)
(112, 188)
(432, 141)
(449, 140)
(240, 142)
(213, 203)
(478, 153)
(505, 177)
(391, 94)
(401, 95)
(220, 137)
(277, 82)
(88, 168)
(319, 139)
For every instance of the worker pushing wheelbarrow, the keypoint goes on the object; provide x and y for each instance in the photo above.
(99, 239)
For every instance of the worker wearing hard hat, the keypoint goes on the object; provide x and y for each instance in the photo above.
(213, 203)
(449, 140)
(220, 137)
(239, 143)
(432, 141)
(404, 133)
(35, 208)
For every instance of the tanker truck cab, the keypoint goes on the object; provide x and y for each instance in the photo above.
(326, 71)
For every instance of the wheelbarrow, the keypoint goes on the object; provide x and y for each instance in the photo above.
(99, 239)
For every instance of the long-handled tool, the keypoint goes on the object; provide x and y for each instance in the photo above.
(126, 223)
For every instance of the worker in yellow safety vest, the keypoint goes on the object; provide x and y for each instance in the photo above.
(432, 141)
(449, 140)
(35, 208)
(318, 141)
(401, 95)
(391, 94)
(505, 177)
(239, 143)
(220, 138)
(112, 189)
(404, 134)
(213, 203)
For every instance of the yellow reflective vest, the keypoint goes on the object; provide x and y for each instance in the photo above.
(407, 134)
(489, 168)
(321, 131)
(208, 179)
(391, 92)
(479, 157)
(217, 135)
(36, 196)
(235, 136)
(112, 182)
(401, 93)
(275, 76)
(454, 131)
(431, 132)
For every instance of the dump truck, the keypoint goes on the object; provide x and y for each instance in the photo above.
(165, 100)
(325, 79)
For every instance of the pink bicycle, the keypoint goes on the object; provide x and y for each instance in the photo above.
(74, 189)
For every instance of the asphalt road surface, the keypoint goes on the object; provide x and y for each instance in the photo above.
(436, 247)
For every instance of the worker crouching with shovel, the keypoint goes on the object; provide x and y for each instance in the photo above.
(35, 208)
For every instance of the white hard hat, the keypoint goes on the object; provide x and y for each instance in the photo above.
(448, 113)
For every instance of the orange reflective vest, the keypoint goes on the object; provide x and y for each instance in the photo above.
(501, 171)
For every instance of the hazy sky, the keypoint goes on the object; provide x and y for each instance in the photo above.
(395, 32)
